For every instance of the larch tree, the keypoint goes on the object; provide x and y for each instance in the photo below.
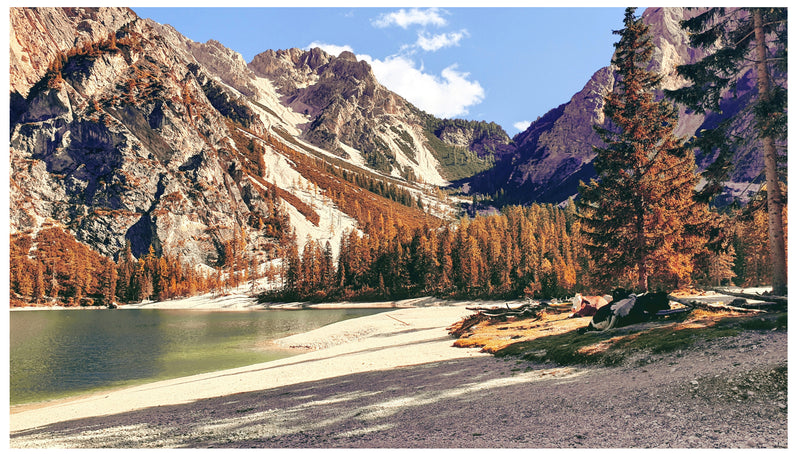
(109, 283)
(744, 44)
(38, 283)
(292, 268)
(638, 214)
(445, 257)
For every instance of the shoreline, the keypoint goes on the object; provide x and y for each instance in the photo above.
(699, 397)
(248, 303)
(365, 344)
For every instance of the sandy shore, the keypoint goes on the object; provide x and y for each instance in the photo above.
(393, 380)
(381, 341)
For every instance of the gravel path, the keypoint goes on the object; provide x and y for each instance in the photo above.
(724, 393)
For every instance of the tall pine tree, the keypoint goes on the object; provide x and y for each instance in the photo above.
(638, 213)
(743, 41)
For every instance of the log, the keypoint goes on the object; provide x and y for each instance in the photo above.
(461, 328)
(686, 302)
(713, 307)
(524, 311)
(755, 296)
(673, 311)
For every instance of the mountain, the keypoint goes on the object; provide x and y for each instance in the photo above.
(352, 115)
(123, 130)
(555, 153)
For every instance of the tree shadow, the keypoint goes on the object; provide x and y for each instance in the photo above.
(332, 412)
(478, 402)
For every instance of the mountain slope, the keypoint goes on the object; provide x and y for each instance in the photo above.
(348, 109)
(123, 130)
(555, 152)
(128, 137)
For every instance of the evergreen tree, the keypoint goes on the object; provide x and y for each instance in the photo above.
(445, 261)
(636, 215)
(751, 245)
(38, 283)
(291, 269)
(109, 284)
(328, 270)
(126, 270)
(144, 282)
(742, 39)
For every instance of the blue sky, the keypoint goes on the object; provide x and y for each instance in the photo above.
(508, 65)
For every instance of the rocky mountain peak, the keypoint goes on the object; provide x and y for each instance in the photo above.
(346, 55)
(39, 34)
(348, 107)
(671, 43)
(126, 138)
(555, 152)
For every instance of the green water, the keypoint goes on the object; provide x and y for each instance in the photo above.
(57, 354)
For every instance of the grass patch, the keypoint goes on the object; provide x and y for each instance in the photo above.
(456, 162)
(766, 323)
(574, 347)
(265, 108)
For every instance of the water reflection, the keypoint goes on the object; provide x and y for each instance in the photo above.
(60, 353)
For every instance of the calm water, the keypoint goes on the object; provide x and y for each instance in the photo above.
(62, 353)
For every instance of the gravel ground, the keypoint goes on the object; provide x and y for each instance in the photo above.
(722, 393)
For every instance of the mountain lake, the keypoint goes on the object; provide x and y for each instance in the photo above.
(63, 353)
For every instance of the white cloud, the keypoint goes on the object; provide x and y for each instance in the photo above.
(447, 95)
(332, 49)
(436, 42)
(414, 16)
(522, 125)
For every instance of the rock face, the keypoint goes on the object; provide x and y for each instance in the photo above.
(38, 34)
(345, 104)
(124, 130)
(555, 152)
(130, 138)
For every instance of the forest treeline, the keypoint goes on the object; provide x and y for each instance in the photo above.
(535, 251)
(641, 224)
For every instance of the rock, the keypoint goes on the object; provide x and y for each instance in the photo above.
(347, 105)
(111, 167)
(555, 152)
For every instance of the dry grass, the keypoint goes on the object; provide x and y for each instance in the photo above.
(559, 339)
(492, 336)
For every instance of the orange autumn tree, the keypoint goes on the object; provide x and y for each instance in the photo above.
(639, 216)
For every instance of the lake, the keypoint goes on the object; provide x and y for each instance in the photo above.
(60, 353)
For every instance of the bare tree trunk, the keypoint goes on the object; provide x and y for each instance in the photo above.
(640, 248)
(774, 197)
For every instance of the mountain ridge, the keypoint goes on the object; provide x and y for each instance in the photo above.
(555, 152)
(124, 129)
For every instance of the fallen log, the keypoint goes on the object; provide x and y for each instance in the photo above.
(525, 311)
(459, 329)
(673, 311)
(495, 314)
(685, 301)
(694, 303)
(755, 296)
